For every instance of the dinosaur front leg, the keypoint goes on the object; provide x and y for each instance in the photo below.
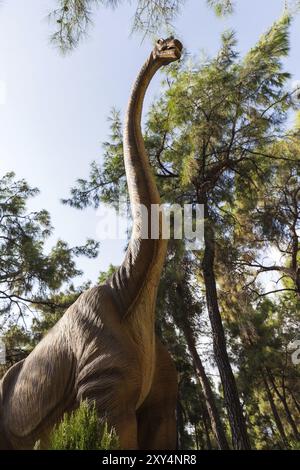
(157, 416)
(114, 392)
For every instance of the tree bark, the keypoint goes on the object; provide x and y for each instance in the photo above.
(212, 410)
(240, 438)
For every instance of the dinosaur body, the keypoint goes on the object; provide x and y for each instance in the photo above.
(104, 348)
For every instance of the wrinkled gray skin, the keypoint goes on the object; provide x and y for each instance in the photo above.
(104, 347)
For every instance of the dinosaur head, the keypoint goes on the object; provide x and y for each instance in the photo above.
(167, 50)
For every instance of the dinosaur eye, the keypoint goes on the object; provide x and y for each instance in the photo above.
(160, 41)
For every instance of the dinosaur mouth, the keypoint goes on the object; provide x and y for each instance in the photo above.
(173, 51)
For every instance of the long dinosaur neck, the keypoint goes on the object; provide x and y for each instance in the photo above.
(143, 254)
(141, 184)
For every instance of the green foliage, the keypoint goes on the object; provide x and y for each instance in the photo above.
(72, 18)
(82, 430)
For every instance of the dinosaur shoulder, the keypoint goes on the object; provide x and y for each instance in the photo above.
(40, 390)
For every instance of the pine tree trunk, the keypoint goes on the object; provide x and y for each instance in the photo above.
(196, 437)
(180, 425)
(277, 418)
(240, 438)
(213, 412)
(206, 428)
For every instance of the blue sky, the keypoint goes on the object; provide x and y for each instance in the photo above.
(54, 117)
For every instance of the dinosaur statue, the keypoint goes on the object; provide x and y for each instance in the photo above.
(104, 348)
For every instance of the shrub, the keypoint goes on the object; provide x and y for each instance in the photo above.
(83, 430)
